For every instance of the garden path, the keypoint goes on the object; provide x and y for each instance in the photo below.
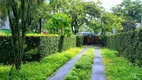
(98, 67)
(63, 71)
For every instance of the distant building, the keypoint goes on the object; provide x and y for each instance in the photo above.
(88, 34)
(6, 25)
(138, 25)
(114, 30)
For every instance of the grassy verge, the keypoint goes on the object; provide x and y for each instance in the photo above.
(119, 68)
(83, 68)
(40, 70)
(4, 72)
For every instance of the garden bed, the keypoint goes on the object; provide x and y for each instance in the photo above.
(119, 68)
(40, 70)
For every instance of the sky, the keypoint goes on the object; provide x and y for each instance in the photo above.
(108, 4)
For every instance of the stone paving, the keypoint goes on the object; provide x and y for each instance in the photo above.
(63, 71)
(98, 67)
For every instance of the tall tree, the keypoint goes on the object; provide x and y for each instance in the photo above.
(131, 12)
(132, 8)
(109, 21)
(20, 18)
(59, 24)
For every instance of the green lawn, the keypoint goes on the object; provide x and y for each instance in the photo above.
(83, 68)
(40, 70)
(119, 68)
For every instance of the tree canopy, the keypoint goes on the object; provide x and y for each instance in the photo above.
(131, 12)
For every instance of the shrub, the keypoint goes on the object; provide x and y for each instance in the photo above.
(36, 46)
(79, 40)
(48, 45)
(59, 24)
(128, 44)
(46, 67)
(6, 49)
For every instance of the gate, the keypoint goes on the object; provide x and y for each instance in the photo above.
(92, 40)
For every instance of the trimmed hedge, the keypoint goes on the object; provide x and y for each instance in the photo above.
(79, 40)
(48, 45)
(128, 44)
(36, 47)
(6, 49)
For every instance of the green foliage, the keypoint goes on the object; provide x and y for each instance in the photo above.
(119, 68)
(37, 46)
(128, 44)
(7, 32)
(110, 21)
(131, 12)
(40, 70)
(4, 70)
(83, 68)
(130, 8)
(69, 42)
(79, 40)
(48, 45)
(59, 23)
(6, 49)
(129, 24)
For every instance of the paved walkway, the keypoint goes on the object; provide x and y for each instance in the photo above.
(98, 67)
(63, 71)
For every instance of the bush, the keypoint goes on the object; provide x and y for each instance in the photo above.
(79, 40)
(128, 44)
(48, 45)
(40, 70)
(47, 66)
(6, 49)
(36, 47)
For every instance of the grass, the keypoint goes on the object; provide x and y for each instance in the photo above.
(119, 68)
(40, 70)
(83, 68)
(4, 72)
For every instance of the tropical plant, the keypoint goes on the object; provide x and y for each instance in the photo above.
(59, 24)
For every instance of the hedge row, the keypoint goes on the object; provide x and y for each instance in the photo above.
(79, 40)
(128, 44)
(36, 47)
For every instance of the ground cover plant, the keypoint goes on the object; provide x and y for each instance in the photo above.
(119, 68)
(83, 68)
(40, 70)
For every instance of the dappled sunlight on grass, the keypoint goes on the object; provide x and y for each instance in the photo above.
(119, 68)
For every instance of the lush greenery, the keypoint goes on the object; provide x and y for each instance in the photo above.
(83, 68)
(20, 19)
(39, 70)
(110, 21)
(59, 24)
(128, 44)
(79, 40)
(65, 17)
(36, 47)
(119, 68)
(5, 49)
(131, 12)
